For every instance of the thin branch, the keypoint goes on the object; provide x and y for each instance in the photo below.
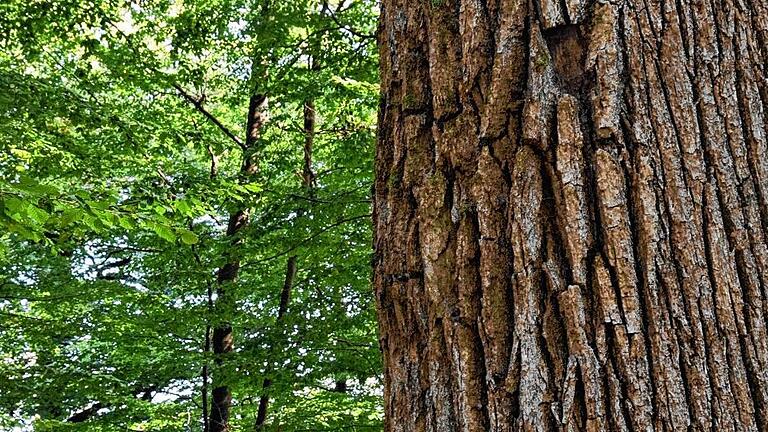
(85, 414)
(214, 162)
(25, 317)
(112, 249)
(314, 200)
(197, 103)
(351, 30)
(310, 238)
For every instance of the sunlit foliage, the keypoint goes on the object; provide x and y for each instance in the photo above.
(113, 116)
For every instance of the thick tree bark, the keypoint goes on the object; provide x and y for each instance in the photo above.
(570, 215)
(223, 342)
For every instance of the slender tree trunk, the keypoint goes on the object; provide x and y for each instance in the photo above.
(308, 182)
(204, 373)
(204, 379)
(223, 342)
(570, 215)
(285, 298)
(308, 175)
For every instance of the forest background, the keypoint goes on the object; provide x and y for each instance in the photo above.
(185, 226)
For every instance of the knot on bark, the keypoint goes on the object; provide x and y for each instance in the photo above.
(568, 50)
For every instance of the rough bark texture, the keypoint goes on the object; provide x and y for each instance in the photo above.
(570, 215)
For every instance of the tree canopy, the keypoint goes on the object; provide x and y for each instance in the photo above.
(123, 138)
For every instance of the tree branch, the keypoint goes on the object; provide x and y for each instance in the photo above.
(197, 103)
(351, 30)
(308, 239)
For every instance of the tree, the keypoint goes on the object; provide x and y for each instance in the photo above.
(571, 215)
(122, 135)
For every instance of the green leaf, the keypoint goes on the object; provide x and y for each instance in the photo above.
(37, 214)
(187, 236)
(126, 223)
(32, 186)
(184, 208)
(164, 231)
(70, 215)
(159, 209)
(252, 187)
(13, 206)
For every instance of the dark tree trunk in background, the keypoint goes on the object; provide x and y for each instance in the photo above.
(308, 183)
(204, 374)
(223, 342)
(307, 174)
(570, 215)
(285, 298)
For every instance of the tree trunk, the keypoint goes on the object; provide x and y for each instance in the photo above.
(307, 174)
(308, 183)
(204, 373)
(570, 215)
(223, 342)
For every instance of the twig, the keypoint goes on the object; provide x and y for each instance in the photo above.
(310, 238)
